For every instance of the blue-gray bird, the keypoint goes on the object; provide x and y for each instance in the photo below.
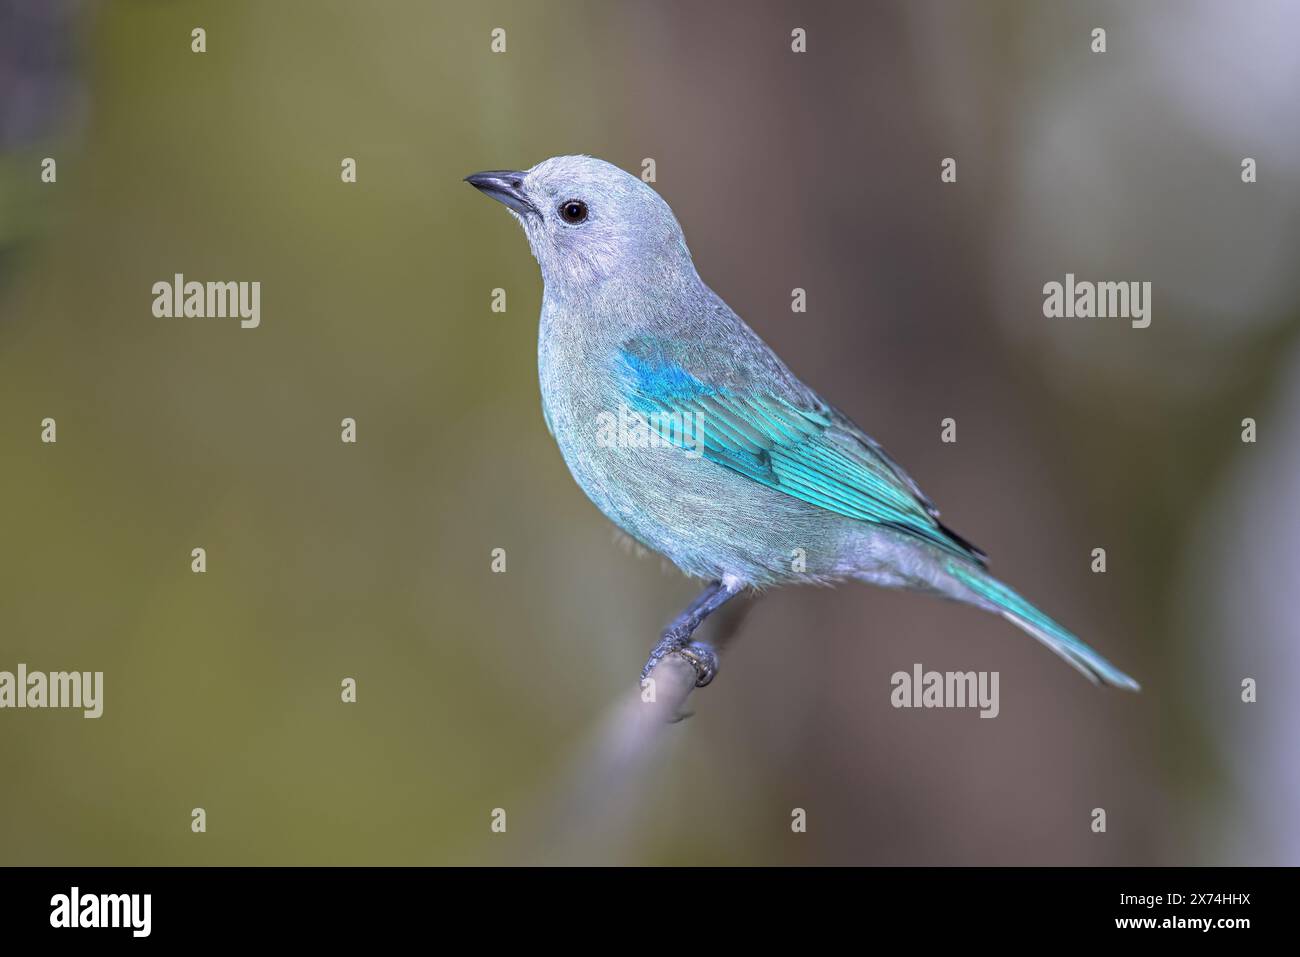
(688, 432)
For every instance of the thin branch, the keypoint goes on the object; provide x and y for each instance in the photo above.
(609, 779)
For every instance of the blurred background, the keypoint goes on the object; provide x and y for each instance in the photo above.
(479, 690)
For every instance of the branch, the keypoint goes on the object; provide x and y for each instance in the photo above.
(610, 776)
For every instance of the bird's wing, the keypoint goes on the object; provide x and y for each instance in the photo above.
(771, 429)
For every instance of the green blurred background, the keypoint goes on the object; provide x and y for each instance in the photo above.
(478, 690)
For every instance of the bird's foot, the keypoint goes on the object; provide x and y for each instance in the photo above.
(699, 655)
(677, 637)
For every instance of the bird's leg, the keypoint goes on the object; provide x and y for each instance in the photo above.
(677, 636)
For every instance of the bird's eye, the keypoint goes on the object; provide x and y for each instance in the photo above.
(573, 211)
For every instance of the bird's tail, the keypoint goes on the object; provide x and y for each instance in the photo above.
(1024, 615)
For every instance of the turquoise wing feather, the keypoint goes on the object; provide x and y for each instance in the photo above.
(792, 443)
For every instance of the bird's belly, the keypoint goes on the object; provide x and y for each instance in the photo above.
(636, 480)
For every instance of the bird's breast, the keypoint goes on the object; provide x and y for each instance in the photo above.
(629, 471)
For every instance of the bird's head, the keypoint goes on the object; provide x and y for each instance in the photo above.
(588, 222)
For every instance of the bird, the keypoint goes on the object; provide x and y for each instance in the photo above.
(691, 435)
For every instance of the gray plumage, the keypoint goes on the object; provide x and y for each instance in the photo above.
(785, 489)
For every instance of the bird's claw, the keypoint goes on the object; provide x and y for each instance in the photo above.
(703, 659)
(700, 656)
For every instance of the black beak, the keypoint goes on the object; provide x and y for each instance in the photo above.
(505, 186)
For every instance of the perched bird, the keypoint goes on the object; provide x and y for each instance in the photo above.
(688, 432)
